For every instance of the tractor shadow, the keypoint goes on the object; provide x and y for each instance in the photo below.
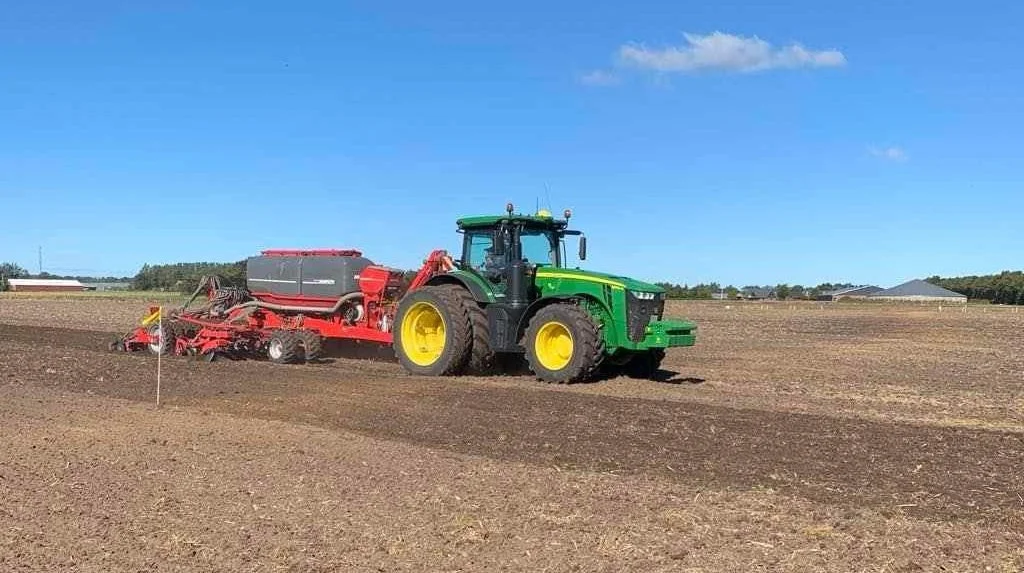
(356, 350)
(673, 377)
(516, 365)
(661, 376)
(506, 365)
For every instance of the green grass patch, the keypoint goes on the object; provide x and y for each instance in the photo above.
(126, 295)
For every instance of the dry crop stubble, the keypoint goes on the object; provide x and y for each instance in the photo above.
(792, 454)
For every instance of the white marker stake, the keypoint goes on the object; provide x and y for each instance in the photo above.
(159, 355)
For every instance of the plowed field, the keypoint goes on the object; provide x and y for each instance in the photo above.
(793, 437)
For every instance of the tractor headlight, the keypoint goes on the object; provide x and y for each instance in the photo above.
(644, 295)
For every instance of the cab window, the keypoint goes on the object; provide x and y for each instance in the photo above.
(476, 248)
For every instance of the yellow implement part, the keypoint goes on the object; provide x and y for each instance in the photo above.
(153, 317)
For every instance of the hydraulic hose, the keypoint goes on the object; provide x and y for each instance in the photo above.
(306, 309)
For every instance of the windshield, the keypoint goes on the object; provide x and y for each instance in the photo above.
(539, 247)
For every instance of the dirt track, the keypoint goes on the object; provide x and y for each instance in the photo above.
(829, 489)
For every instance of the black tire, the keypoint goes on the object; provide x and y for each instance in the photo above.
(457, 342)
(185, 330)
(481, 357)
(312, 345)
(284, 347)
(168, 341)
(645, 365)
(587, 344)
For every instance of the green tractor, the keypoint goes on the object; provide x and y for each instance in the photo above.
(511, 293)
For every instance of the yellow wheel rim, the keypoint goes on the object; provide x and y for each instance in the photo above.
(554, 346)
(423, 334)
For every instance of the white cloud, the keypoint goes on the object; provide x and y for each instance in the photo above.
(599, 78)
(727, 52)
(891, 153)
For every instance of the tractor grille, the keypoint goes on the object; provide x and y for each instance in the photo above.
(640, 313)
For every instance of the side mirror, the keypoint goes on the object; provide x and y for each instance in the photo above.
(583, 248)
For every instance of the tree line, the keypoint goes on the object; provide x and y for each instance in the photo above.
(1006, 287)
(780, 291)
(174, 277)
(185, 277)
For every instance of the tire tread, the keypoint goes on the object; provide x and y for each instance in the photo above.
(312, 345)
(587, 338)
(291, 347)
(458, 324)
(481, 357)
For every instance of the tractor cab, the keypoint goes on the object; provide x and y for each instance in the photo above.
(494, 247)
(538, 239)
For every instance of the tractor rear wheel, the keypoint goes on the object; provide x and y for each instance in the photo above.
(481, 357)
(312, 345)
(433, 332)
(563, 344)
(284, 347)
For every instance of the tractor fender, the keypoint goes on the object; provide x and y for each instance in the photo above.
(540, 303)
(479, 294)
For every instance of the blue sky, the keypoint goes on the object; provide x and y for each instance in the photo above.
(731, 141)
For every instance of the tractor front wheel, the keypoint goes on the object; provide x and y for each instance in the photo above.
(563, 344)
(433, 333)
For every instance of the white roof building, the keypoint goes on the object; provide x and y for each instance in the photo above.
(45, 284)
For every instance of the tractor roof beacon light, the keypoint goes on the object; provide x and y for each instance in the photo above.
(568, 215)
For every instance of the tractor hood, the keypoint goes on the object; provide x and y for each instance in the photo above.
(546, 273)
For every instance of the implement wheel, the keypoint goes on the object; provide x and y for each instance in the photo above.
(312, 345)
(284, 347)
(432, 332)
(563, 344)
(164, 338)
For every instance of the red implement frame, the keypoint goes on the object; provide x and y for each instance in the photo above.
(248, 327)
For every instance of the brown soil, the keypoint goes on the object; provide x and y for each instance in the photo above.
(793, 438)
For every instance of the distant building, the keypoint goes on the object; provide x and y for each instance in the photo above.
(108, 286)
(39, 285)
(918, 290)
(857, 292)
(756, 293)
